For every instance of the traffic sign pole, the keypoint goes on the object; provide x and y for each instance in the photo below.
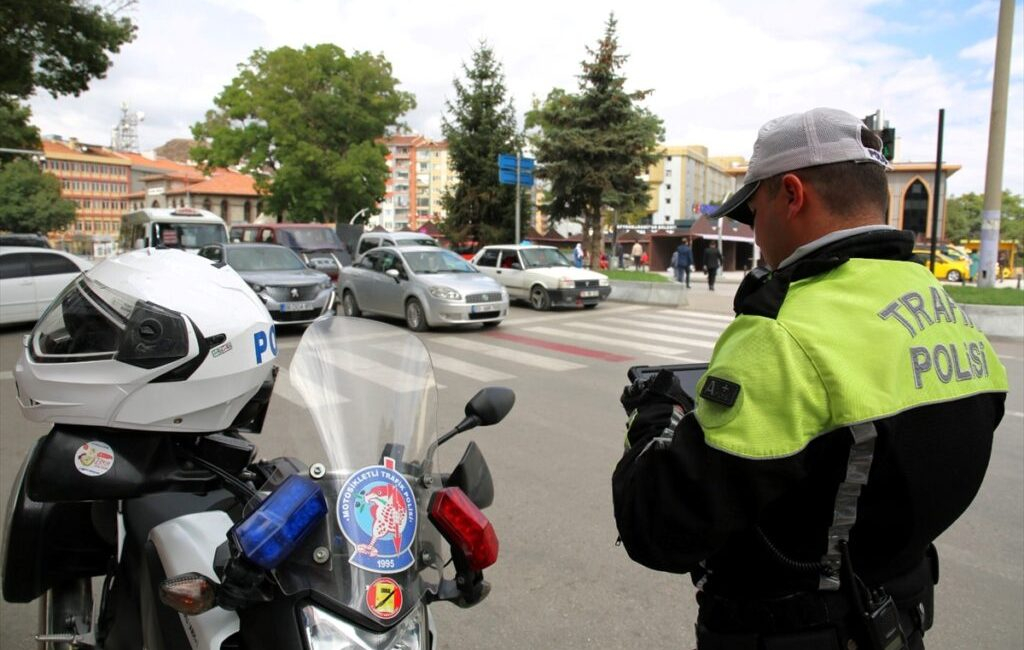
(516, 239)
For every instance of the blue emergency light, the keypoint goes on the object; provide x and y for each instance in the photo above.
(270, 534)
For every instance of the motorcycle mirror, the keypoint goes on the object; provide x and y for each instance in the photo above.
(491, 404)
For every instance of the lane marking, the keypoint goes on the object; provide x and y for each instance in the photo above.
(619, 343)
(617, 331)
(466, 369)
(700, 314)
(6, 374)
(662, 327)
(686, 320)
(516, 356)
(602, 309)
(1016, 414)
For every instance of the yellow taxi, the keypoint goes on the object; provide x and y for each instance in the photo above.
(946, 268)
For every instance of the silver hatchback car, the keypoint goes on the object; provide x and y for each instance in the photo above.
(428, 286)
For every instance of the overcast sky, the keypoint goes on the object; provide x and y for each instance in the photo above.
(718, 69)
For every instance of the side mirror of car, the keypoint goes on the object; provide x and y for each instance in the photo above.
(393, 274)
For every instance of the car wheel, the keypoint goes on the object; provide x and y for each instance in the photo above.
(539, 298)
(349, 305)
(414, 316)
(953, 276)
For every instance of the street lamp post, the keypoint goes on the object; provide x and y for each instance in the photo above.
(356, 216)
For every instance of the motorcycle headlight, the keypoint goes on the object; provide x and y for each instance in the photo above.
(325, 631)
(445, 293)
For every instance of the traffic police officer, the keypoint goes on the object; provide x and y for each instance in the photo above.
(844, 422)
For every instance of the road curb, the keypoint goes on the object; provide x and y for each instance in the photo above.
(997, 320)
(651, 293)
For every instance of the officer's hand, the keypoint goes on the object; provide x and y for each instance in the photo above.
(660, 388)
(653, 405)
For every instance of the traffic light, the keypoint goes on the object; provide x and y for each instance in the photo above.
(888, 135)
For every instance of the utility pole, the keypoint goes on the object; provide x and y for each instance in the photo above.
(992, 209)
(519, 156)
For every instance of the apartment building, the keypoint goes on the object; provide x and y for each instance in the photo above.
(97, 180)
(419, 176)
(683, 179)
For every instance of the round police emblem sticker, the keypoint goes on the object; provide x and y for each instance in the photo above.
(94, 458)
(377, 514)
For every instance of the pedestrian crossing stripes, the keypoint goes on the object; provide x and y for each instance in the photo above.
(507, 354)
(647, 336)
(664, 327)
(658, 350)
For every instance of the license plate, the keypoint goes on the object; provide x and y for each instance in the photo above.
(296, 306)
(589, 294)
(476, 309)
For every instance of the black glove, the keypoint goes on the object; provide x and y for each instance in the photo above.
(650, 403)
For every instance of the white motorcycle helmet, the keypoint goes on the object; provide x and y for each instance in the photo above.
(152, 340)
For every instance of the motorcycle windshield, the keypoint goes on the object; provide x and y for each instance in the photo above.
(369, 396)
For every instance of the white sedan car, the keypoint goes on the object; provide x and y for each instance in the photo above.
(30, 278)
(542, 276)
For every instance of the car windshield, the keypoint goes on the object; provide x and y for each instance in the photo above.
(260, 258)
(417, 241)
(189, 235)
(542, 257)
(439, 261)
(309, 238)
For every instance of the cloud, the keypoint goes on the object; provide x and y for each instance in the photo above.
(718, 69)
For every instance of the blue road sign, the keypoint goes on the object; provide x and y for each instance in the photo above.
(508, 177)
(507, 161)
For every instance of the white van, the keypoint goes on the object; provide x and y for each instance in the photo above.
(186, 228)
(370, 240)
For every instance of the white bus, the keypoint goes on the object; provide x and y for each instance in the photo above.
(186, 228)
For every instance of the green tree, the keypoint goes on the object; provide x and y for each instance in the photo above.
(593, 146)
(55, 45)
(306, 124)
(963, 219)
(479, 125)
(30, 200)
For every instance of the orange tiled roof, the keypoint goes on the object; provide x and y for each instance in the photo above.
(223, 181)
(138, 160)
(61, 149)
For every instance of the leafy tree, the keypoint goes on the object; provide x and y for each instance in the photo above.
(594, 146)
(306, 124)
(963, 219)
(480, 124)
(56, 45)
(30, 200)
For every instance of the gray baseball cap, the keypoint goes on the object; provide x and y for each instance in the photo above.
(820, 136)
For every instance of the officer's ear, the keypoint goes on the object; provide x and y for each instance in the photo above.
(795, 192)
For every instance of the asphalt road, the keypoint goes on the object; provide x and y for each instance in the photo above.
(560, 580)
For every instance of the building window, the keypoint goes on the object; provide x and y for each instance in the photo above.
(224, 210)
(915, 208)
(208, 204)
(668, 200)
(247, 212)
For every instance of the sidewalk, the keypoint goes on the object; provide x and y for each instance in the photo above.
(700, 298)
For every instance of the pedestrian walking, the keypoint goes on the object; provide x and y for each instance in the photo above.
(620, 252)
(683, 262)
(577, 255)
(636, 252)
(845, 420)
(712, 262)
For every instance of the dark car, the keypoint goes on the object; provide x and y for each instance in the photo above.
(24, 239)
(292, 292)
(317, 244)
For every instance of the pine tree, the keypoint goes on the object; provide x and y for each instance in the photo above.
(594, 146)
(479, 125)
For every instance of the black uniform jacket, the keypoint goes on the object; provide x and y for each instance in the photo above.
(692, 508)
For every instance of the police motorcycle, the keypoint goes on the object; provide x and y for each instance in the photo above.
(147, 482)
